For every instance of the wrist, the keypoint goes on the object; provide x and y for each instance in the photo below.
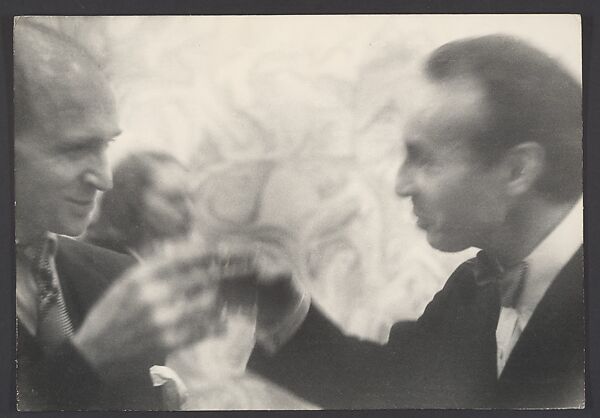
(275, 334)
(276, 300)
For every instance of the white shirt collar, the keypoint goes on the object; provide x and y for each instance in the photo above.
(547, 260)
(48, 242)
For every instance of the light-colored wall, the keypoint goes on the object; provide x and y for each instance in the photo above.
(292, 125)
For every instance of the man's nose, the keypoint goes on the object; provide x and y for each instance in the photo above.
(99, 174)
(404, 182)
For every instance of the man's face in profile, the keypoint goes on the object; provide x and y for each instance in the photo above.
(458, 200)
(60, 162)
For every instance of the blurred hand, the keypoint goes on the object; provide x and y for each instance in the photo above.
(161, 306)
(277, 292)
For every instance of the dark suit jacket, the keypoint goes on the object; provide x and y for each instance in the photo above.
(63, 380)
(446, 359)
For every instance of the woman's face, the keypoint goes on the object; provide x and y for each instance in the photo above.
(167, 212)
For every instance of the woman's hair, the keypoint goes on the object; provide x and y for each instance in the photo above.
(119, 224)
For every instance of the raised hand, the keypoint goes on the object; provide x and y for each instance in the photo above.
(163, 305)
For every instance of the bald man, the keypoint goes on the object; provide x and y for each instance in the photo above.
(85, 339)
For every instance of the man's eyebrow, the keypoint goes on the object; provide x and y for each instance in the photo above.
(116, 133)
(91, 141)
(112, 137)
(413, 149)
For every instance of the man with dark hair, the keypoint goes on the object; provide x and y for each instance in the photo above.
(530, 97)
(493, 161)
(85, 340)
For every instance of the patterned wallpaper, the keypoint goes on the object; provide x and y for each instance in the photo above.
(292, 127)
(293, 124)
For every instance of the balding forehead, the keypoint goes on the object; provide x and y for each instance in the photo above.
(47, 57)
(54, 74)
(460, 98)
(50, 50)
(451, 115)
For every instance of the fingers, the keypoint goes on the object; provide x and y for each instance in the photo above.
(172, 338)
(146, 312)
(183, 299)
(198, 271)
(167, 314)
(152, 292)
(272, 267)
(204, 317)
(180, 319)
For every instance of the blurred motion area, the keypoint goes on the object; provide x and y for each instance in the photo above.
(286, 131)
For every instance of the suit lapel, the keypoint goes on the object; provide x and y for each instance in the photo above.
(82, 283)
(555, 331)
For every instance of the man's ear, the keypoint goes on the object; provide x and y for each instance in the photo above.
(525, 163)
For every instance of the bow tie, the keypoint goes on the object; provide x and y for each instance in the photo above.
(509, 279)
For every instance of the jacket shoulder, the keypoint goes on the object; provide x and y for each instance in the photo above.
(449, 297)
(84, 256)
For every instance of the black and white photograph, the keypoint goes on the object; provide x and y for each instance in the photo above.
(299, 212)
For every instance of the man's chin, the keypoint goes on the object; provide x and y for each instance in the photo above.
(447, 243)
(74, 229)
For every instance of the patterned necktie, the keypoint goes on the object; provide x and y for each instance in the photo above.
(53, 323)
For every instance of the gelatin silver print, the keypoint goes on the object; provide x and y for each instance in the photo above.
(298, 212)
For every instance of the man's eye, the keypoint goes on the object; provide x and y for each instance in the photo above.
(418, 161)
(103, 146)
(75, 150)
(426, 162)
(432, 167)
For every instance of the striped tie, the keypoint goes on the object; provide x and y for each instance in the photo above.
(53, 323)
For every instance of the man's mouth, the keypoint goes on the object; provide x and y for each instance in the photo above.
(81, 202)
(422, 221)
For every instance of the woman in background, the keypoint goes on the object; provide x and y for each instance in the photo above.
(149, 203)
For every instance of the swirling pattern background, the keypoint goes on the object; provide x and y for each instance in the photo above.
(292, 126)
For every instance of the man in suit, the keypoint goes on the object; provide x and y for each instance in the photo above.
(89, 327)
(493, 161)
